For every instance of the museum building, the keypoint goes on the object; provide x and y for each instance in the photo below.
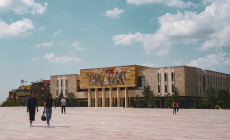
(118, 86)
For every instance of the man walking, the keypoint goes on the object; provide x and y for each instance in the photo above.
(63, 104)
(31, 106)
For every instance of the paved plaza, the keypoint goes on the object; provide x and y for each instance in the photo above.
(117, 124)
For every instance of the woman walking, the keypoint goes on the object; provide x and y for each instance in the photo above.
(48, 108)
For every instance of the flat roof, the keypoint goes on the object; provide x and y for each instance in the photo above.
(144, 67)
(117, 66)
(64, 75)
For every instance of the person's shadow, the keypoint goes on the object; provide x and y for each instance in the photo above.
(53, 126)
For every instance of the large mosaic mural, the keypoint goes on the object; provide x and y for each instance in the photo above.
(108, 77)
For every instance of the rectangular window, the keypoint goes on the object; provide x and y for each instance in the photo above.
(61, 82)
(166, 78)
(200, 78)
(159, 89)
(166, 89)
(173, 76)
(159, 77)
(57, 92)
(66, 82)
(173, 89)
(57, 83)
(78, 84)
(66, 92)
(141, 82)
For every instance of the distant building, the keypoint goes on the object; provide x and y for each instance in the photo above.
(23, 93)
(40, 88)
(12, 95)
(118, 86)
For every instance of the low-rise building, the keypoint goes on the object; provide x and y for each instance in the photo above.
(118, 86)
(23, 93)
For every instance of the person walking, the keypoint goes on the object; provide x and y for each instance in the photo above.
(174, 107)
(177, 106)
(63, 104)
(48, 108)
(32, 104)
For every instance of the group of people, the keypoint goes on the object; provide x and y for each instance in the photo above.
(32, 106)
(175, 106)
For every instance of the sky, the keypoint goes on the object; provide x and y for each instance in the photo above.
(40, 38)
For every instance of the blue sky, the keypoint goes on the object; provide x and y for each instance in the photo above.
(47, 37)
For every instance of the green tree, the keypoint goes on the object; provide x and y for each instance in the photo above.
(200, 103)
(137, 101)
(148, 96)
(71, 98)
(175, 95)
(168, 100)
(222, 98)
(59, 99)
(210, 96)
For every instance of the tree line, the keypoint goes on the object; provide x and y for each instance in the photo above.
(41, 100)
(211, 98)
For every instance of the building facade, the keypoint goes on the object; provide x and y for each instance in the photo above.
(23, 93)
(118, 86)
(12, 95)
(40, 88)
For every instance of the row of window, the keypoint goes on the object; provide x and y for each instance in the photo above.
(166, 89)
(165, 76)
(57, 92)
(66, 83)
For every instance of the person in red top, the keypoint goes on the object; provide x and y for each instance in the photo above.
(174, 107)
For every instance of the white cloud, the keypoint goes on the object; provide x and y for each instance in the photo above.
(22, 6)
(35, 59)
(115, 13)
(171, 3)
(42, 28)
(211, 26)
(45, 44)
(51, 58)
(211, 61)
(88, 28)
(77, 46)
(56, 34)
(151, 42)
(16, 28)
(147, 64)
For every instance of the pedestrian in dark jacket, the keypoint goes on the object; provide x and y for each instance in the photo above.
(32, 104)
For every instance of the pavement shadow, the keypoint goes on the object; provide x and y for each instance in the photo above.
(53, 126)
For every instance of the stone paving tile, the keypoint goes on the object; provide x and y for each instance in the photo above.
(116, 123)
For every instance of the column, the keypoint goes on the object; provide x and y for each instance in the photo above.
(96, 97)
(110, 98)
(89, 97)
(126, 97)
(63, 87)
(59, 86)
(118, 96)
(103, 97)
